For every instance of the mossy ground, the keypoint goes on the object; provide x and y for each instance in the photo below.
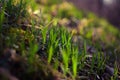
(42, 40)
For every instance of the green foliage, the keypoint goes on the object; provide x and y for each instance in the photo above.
(2, 11)
(74, 61)
(115, 76)
(53, 42)
(32, 51)
(65, 57)
(44, 34)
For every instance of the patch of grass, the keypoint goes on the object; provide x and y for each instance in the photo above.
(48, 46)
(15, 9)
(75, 62)
(32, 51)
(44, 34)
(115, 76)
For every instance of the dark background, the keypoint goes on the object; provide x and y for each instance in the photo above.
(110, 11)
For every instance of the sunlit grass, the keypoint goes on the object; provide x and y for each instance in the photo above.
(75, 61)
(44, 34)
(54, 41)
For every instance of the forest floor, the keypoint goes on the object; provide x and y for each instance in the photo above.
(53, 40)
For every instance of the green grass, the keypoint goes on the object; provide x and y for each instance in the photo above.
(2, 11)
(49, 48)
(74, 62)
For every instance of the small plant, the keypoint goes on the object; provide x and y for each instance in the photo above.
(17, 6)
(74, 61)
(82, 56)
(50, 53)
(115, 76)
(101, 62)
(44, 34)
(97, 65)
(52, 36)
(32, 51)
(52, 43)
(2, 9)
(65, 57)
